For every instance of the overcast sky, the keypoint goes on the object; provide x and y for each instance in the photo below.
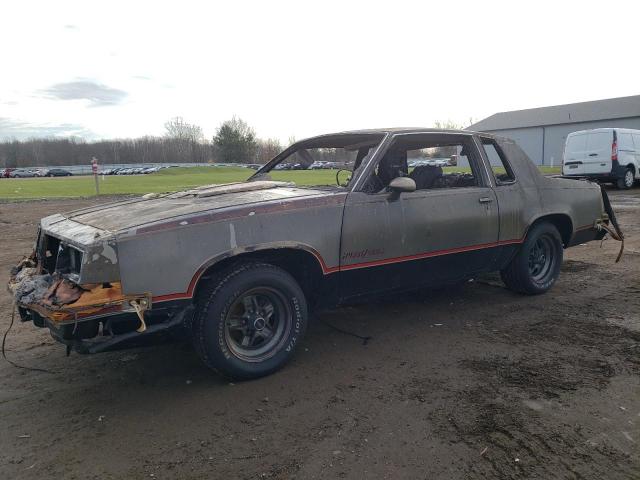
(297, 68)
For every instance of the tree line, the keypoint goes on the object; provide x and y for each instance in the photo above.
(234, 142)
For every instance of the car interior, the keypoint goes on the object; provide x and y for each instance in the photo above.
(431, 161)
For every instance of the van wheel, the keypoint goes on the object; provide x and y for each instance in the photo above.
(536, 267)
(249, 320)
(626, 182)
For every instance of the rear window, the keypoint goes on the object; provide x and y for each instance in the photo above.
(501, 168)
(599, 140)
(576, 143)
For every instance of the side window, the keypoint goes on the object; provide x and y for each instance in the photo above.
(499, 165)
(431, 160)
(597, 141)
(575, 143)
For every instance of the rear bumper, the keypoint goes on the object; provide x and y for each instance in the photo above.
(617, 172)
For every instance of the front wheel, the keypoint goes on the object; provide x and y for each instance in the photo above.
(249, 320)
(536, 267)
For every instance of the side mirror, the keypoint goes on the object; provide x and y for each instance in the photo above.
(402, 184)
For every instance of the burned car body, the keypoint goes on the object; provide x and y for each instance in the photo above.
(239, 265)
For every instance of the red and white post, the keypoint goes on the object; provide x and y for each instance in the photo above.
(94, 169)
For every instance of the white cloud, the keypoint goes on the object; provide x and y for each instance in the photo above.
(96, 94)
(21, 130)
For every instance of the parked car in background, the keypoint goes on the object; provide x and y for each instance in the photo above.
(7, 172)
(604, 154)
(238, 266)
(22, 173)
(58, 172)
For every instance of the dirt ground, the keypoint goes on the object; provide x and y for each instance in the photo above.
(468, 382)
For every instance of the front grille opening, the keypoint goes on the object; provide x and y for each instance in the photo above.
(49, 253)
(69, 261)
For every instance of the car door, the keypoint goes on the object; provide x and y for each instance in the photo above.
(426, 237)
(575, 154)
(598, 151)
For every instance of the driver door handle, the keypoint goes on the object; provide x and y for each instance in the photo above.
(485, 200)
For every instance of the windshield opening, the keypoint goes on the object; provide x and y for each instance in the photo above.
(322, 162)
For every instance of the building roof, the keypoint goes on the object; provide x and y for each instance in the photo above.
(608, 109)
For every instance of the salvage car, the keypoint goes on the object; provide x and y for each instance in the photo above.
(240, 266)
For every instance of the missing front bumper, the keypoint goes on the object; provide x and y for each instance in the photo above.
(85, 338)
(95, 301)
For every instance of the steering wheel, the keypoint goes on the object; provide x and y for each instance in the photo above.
(338, 179)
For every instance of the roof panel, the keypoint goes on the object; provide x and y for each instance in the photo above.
(622, 107)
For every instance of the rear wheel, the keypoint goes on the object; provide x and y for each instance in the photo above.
(536, 267)
(249, 320)
(626, 181)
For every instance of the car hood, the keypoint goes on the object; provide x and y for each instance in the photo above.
(150, 209)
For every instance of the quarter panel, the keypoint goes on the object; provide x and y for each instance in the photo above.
(580, 200)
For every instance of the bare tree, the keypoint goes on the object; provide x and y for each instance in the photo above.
(184, 139)
(178, 128)
(449, 125)
(267, 149)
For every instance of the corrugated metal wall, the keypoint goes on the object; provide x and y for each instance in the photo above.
(544, 145)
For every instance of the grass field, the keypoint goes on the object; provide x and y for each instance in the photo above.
(168, 180)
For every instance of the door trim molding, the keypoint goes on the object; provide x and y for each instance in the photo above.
(434, 253)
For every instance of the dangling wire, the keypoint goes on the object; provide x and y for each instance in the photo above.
(365, 339)
(615, 236)
(616, 231)
(4, 341)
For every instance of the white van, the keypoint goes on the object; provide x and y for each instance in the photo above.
(604, 154)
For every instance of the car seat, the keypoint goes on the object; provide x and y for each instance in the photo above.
(425, 176)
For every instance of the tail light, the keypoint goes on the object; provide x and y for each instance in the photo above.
(614, 151)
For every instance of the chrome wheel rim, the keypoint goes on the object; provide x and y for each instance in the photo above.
(257, 324)
(541, 258)
(628, 178)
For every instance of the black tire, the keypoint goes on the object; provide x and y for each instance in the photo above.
(254, 301)
(536, 266)
(626, 181)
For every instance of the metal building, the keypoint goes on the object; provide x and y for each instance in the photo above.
(541, 132)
